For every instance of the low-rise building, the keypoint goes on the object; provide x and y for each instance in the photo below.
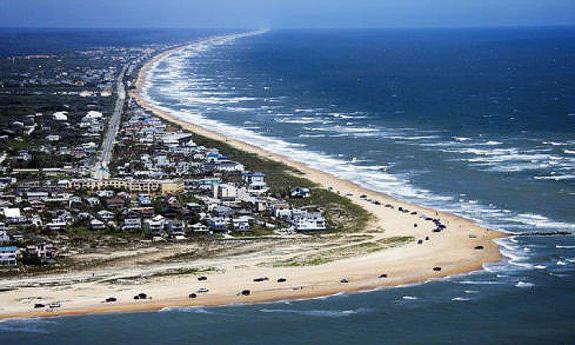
(218, 224)
(131, 224)
(96, 224)
(225, 192)
(241, 223)
(155, 226)
(8, 256)
(308, 221)
(130, 185)
(300, 192)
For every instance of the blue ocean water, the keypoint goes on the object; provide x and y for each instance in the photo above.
(479, 122)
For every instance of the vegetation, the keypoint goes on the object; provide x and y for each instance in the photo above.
(344, 252)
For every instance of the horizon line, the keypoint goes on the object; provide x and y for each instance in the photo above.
(510, 26)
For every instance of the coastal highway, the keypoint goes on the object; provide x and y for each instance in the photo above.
(101, 171)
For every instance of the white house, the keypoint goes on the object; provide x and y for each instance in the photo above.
(229, 166)
(257, 188)
(13, 216)
(93, 202)
(253, 177)
(198, 227)
(241, 223)
(4, 238)
(60, 116)
(155, 226)
(105, 215)
(132, 224)
(96, 224)
(300, 192)
(308, 221)
(225, 192)
(93, 115)
(56, 225)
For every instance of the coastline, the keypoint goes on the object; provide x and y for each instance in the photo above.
(453, 250)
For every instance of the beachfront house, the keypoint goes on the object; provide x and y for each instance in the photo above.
(176, 227)
(253, 177)
(40, 254)
(256, 182)
(300, 192)
(198, 228)
(155, 226)
(96, 224)
(308, 221)
(241, 223)
(228, 166)
(218, 224)
(8, 256)
(131, 224)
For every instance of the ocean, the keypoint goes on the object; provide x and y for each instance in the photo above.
(478, 122)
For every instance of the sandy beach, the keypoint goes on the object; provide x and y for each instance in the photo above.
(462, 247)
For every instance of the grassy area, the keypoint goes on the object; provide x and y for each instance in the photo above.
(160, 274)
(255, 231)
(344, 252)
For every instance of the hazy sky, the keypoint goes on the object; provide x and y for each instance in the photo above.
(284, 13)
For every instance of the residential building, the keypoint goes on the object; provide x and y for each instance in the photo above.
(8, 256)
(131, 224)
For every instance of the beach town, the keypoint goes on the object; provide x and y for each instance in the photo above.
(109, 203)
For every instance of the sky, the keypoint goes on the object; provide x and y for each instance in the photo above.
(284, 13)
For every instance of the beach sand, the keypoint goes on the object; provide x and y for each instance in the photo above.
(452, 249)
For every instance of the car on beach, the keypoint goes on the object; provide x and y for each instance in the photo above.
(203, 290)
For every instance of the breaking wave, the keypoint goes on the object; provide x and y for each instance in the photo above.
(319, 313)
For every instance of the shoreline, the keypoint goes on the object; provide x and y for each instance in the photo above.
(453, 250)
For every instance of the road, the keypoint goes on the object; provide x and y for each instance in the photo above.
(101, 170)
